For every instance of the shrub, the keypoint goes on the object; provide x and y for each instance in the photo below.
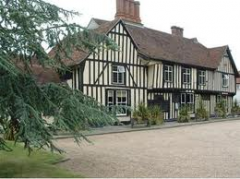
(156, 115)
(220, 109)
(141, 113)
(235, 109)
(184, 115)
(201, 112)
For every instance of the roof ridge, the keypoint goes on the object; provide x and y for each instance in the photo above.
(172, 36)
(224, 46)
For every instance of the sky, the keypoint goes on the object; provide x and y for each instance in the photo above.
(213, 22)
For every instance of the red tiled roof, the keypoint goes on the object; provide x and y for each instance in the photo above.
(79, 55)
(45, 75)
(99, 21)
(238, 79)
(162, 46)
(41, 74)
(158, 45)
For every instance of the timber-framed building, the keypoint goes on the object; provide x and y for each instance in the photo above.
(153, 67)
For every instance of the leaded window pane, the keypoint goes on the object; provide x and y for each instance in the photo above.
(118, 74)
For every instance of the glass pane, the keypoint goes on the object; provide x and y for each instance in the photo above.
(115, 68)
(188, 98)
(110, 93)
(110, 99)
(120, 78)
(171, 76)
(121, 69)
(124, 93)
(115, 77)
(183, 98)
(124, 99)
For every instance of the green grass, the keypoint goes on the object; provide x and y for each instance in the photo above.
(17, 164)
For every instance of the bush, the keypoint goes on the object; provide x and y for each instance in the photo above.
(184, 115)
(156, 115)
(202, 113)
(235, 109)
(141, 113)
(153, 114)
(220, 109)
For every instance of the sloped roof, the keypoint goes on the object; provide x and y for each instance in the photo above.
(41, 74)
(158, 45)
(99, 21)
(45, 75)
(162, 46)
(238, 79)
(79, 55)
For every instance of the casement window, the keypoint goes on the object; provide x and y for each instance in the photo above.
(118, 75)
(188, 99)
(225, 80)
(110, 99)
(168, 73)
(186, 75)
(201, 77)
(118, 98)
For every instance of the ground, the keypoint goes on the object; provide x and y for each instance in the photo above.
(40, 164)
(209, 150)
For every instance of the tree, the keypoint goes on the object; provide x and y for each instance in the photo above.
(26, 27)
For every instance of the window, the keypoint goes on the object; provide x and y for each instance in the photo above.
(168, 73)
(225, 80)
(186, 75)
(118, 74)
(110, 102)
(201, 77)
(118, 98)
(188, 99)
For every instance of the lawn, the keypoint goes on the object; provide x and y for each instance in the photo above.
(40, 164)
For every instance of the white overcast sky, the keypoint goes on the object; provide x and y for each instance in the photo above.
(214, 22)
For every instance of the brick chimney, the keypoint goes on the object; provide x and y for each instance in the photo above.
(177, 31)
(128, 10)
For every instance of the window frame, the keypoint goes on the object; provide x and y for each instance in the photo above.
(190, 103)
(115, 100)
(225, 80)
(186, 74)
(121, 103)
(118, 75)
(202, 78)
(168, 73)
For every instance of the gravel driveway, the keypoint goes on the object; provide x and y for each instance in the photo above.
(209, 150)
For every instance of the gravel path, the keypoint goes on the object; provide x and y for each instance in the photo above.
(210, 150)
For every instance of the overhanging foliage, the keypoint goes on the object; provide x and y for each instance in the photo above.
(27, 29)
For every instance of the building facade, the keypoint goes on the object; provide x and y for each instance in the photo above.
(153, 67)
(237, 96)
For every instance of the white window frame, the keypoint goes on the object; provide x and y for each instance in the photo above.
(185, 102)
(187, 75)
(202, 77)
(121, 103)
(110, 94)
(225, 80)
(115, 95)
(168, 73)
(120, 72)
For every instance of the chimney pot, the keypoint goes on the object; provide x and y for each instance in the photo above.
(177, 31)
(128, 10)
(120, 9)
(137, 11)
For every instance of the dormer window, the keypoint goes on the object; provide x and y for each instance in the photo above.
(225, 80)
(118, 74)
